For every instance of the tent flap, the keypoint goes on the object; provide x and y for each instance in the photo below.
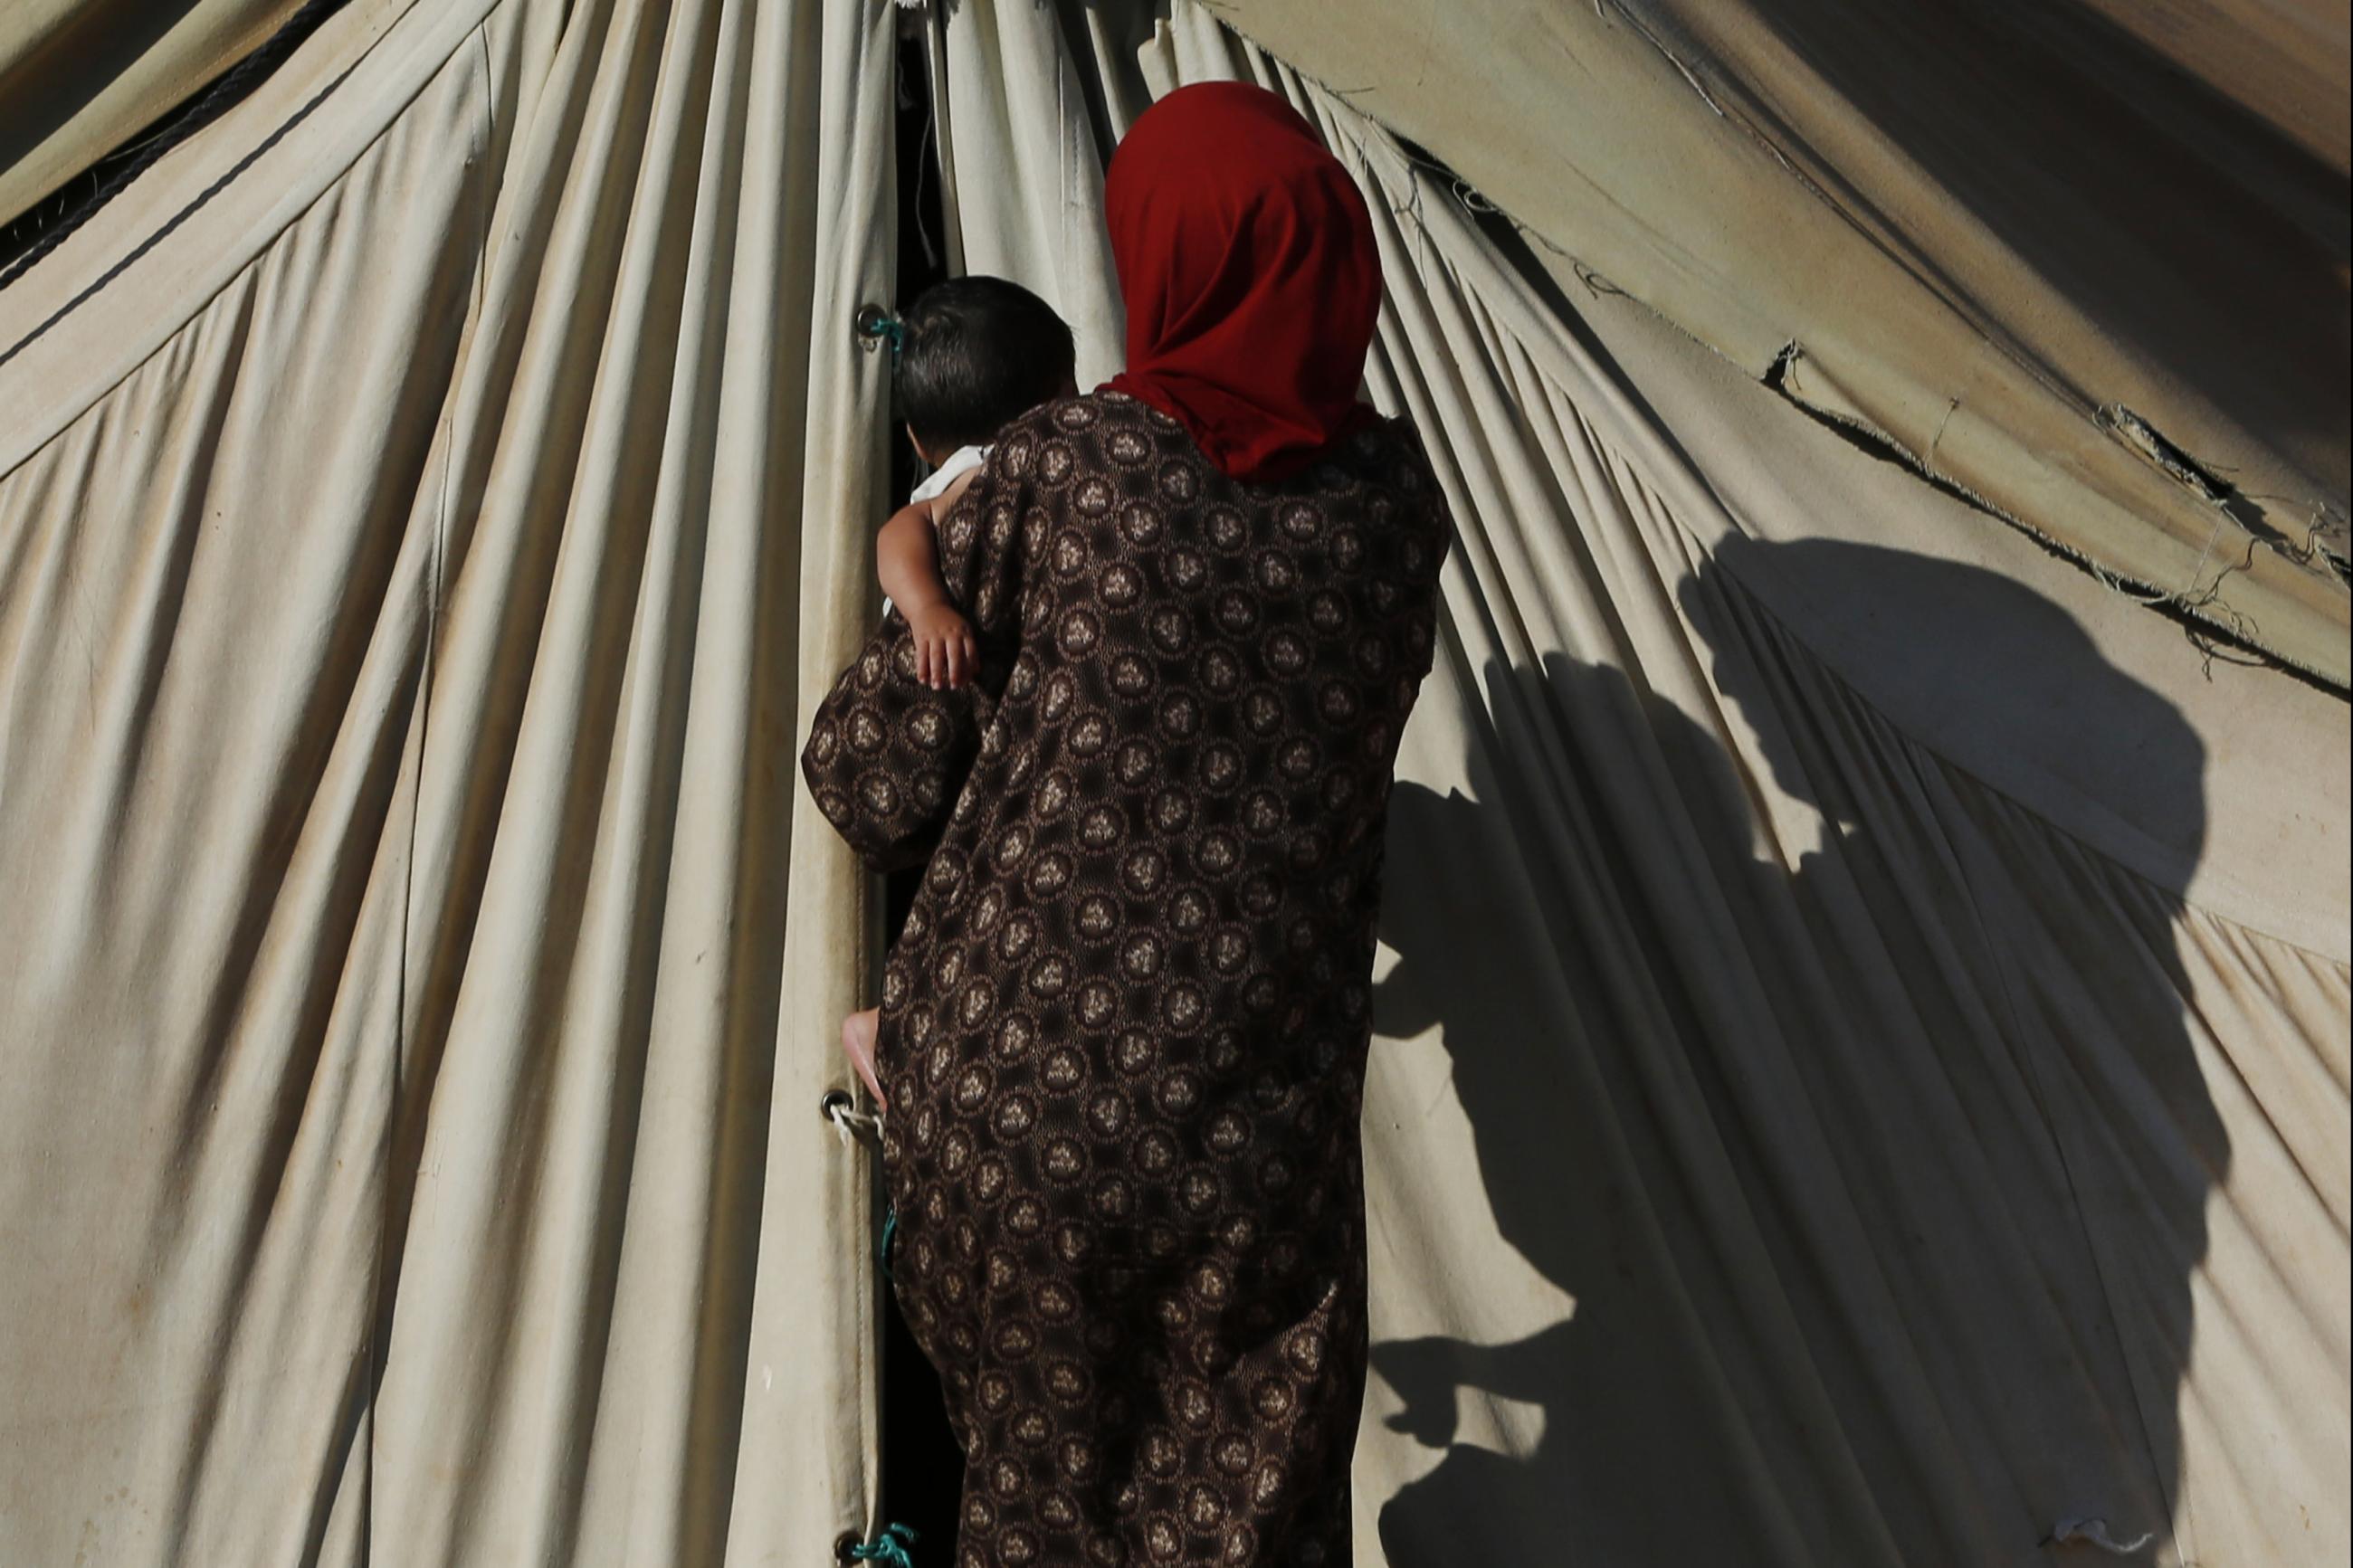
(81, 78)
(2010, 241)
(431, 497)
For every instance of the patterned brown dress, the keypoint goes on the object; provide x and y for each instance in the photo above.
(1124, 1033)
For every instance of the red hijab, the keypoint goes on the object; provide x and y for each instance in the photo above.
(1246, 261)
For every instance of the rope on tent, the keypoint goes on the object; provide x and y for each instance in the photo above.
(888, 1548)
(2095, 1532)
(850, 1124)
(889, 1235)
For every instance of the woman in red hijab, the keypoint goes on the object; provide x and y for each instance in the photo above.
(1123, 1032)
(1251, 280)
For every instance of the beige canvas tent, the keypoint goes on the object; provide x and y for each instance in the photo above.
(1865, 991)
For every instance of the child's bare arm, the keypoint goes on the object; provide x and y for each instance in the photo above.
(907, 558)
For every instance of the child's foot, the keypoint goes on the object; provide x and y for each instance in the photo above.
(858, 1032)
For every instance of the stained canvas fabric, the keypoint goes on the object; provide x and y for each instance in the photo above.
(2086, 261)
(1862, 1072)
(424, 499)
(78, 80)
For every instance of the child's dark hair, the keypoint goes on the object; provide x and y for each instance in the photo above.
(976, 353)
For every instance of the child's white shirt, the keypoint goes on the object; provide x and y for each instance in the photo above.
(960, 462)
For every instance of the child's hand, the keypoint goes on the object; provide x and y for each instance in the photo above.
(946, 653)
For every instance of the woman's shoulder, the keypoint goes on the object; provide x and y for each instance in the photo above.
(1381, 452)
(1384, 438)
(1384, 467)
(1088, 414)
(1087, 411)
(1094, 432)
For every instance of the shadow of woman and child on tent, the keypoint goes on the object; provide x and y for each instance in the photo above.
(1654, 1448)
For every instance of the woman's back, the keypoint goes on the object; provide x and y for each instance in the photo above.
(1123, 1031)
(1217, 670)
(1194, 744)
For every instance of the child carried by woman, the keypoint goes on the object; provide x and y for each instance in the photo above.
(973, 355)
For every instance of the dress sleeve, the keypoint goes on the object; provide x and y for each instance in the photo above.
(887, 755)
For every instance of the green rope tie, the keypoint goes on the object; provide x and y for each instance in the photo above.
(889, 1235)
(878, 325)
(888, 1548)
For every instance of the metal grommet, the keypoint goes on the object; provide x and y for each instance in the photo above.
(848, 1541)
(835, 1100)
(872, 323)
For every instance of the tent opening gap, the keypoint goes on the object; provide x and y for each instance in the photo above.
(922, 1469)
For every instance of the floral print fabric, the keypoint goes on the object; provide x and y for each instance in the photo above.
(1124, 1029)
